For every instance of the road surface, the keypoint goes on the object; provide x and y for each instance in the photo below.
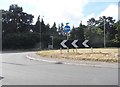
(18, 70)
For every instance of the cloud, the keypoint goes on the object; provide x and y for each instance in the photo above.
(53, 10)
(60, 10)
(111, 10)
(85, 19)
(103, 0)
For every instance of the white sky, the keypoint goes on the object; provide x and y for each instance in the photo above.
(62, 11)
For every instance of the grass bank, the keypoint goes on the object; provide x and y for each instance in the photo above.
(88, 54)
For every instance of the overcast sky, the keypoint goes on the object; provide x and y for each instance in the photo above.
(62, 11)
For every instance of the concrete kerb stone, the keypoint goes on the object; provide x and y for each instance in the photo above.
(68, 63)
(43, 60)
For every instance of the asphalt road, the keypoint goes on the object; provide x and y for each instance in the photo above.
(18, 70)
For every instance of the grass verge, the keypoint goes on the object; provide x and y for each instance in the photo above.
(95, 54)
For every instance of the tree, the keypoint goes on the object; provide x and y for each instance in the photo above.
(16, 29)
(61, 29)
(73, 33)
(116, 41)
(93, 33)
(53, 30)
(80, 32)
(77, 33)
(43, 29)
(117, 25)
(37, 25)
(88, 31)
(15, 20)
(109, 26)
(45, 34)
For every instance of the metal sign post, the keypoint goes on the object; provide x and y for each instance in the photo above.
(104, 35)
(67, 30)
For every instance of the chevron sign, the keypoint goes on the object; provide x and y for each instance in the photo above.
(74, 43)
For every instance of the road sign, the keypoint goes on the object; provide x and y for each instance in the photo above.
(85, 43)
(67, 29)
(63, 43)
(75, 43)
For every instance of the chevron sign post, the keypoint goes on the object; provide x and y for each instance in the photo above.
(74, 43)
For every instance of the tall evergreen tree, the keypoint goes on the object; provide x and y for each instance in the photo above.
(80, 32)
(53, 30)
(73, 33)
(37, 26)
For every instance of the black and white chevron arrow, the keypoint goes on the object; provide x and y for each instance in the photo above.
(74, 43)
(63, 43)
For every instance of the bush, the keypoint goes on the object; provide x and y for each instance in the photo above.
(57, 42)
(20, 40)
(113, 43)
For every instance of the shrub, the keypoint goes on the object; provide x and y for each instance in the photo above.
(20, 40)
